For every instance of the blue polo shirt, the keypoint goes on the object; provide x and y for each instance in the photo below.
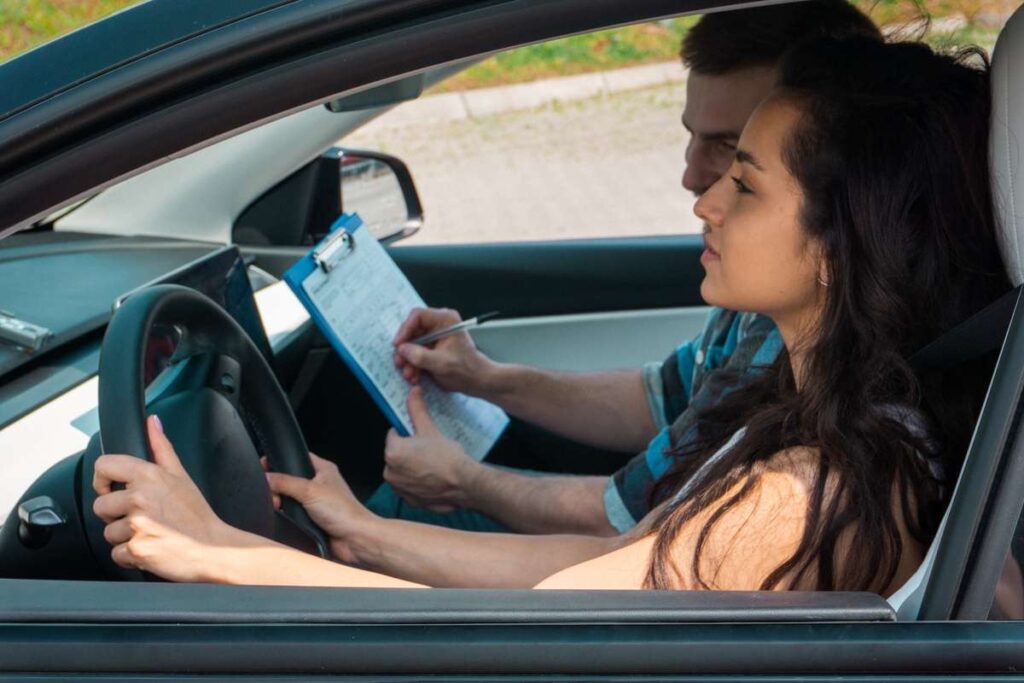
(677, 388)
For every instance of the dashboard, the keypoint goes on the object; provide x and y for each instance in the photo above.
(48, 402)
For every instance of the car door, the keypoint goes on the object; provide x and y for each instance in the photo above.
(57, 629)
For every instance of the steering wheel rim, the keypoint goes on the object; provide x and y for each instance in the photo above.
(206, 329)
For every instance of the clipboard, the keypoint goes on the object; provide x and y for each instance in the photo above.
(338, 244)
(351, 251)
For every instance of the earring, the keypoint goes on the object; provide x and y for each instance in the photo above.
(822, 282)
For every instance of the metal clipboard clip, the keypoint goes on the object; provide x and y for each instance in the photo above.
(338, 245)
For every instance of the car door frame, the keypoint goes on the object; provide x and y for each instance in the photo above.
(986, 505)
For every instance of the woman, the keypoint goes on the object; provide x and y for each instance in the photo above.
(857, 215)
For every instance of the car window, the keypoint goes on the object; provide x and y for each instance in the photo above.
(579, 137)
(592, 148)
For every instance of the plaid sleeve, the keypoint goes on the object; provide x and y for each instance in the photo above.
(739, 341)
(655, 389)
(679, 371)
(625, 495)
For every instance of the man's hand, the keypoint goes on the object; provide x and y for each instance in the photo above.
(328, 500)
(454, 362)
(427, 469)
(160, 521)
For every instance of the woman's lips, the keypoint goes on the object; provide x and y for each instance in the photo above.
(709, 254)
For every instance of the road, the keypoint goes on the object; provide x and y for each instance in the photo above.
(608, 166)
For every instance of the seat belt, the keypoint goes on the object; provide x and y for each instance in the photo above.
(982, 332)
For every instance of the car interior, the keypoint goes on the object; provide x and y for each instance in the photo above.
(257, 353)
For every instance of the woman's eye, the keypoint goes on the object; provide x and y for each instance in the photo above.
(740, 187)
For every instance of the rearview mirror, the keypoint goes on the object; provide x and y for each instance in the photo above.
(386, 95)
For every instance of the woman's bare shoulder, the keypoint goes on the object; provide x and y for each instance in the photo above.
(750, 536)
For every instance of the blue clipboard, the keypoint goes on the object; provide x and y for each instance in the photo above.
(327, 256)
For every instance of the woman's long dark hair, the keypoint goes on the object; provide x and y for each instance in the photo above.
(891, 154)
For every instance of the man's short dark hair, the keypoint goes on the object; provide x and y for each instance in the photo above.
(726, 41)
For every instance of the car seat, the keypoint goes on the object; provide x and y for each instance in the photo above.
(1005, 150)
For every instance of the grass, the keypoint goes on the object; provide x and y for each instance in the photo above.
(27, 23)
(659, 42)
(599, 51)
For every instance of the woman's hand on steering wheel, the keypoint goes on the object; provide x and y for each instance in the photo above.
(159, 522)
(328, 501)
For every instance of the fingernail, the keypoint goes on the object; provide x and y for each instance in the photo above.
(159, 425)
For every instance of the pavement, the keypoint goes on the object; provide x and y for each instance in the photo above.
(597, 155)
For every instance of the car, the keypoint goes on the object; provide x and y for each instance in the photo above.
(195, 143)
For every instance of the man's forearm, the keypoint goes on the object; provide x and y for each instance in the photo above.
(602, 409)
(441, 557)
(539, 504)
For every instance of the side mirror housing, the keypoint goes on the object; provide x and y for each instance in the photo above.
(300, 209)
(379, 187)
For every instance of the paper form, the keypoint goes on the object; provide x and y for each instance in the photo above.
(365, 299)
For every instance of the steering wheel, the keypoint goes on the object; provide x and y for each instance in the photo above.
(219, 404)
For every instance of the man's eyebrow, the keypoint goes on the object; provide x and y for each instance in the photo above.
(716, 136)
(745, 157)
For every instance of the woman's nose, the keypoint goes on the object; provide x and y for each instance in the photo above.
(708, 206)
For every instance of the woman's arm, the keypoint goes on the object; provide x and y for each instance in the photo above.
(460, 559)
(161, 523)
(746, 544)
(257, 561)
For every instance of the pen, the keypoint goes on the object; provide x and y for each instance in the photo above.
(452, 329)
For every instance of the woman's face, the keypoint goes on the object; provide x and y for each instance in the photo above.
(758, 257)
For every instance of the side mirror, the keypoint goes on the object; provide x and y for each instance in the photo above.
(300, 209)
(380, 189)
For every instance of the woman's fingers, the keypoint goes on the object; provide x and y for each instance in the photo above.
(297, 488)
(112, 469)
(294, 487)
(125, 469)
(121, 556)
(163, 451)
(114, 505)
(119, 531)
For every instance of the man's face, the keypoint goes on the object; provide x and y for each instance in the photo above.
(717, 108)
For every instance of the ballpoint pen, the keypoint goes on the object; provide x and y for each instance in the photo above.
(452, 329)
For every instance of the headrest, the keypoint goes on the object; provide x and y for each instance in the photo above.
(1007, 137)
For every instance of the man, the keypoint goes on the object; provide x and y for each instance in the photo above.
(732, 58)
